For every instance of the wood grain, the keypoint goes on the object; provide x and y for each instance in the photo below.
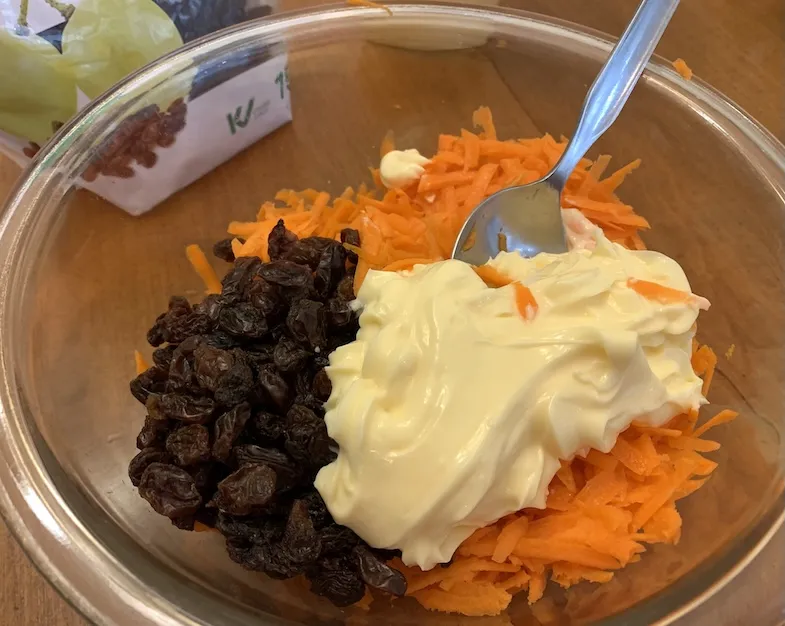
(737, 47)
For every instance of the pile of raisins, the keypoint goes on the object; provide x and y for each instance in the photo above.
(235, 434)
(136, 140)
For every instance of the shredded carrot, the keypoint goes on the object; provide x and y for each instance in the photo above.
(680, 65)
(524, 300)
(202, 266)
(613, 181)
(601, 508)
(141, 364)
(482, 118)
(603, 520)
(723, 417)
(492, 277)
(237, 245)
(655, 291)
(370, 4)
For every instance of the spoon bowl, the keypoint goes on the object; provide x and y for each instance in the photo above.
(528, 218)
(518, 218)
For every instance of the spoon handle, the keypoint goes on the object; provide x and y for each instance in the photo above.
(615, 82)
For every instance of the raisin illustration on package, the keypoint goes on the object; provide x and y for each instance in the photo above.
(55, 57)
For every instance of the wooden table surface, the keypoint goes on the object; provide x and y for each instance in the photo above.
(739, 48)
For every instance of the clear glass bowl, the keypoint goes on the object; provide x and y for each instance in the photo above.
(81, 282)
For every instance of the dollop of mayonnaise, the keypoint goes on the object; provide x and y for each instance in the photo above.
(451, 410)
(580, 232)
(400, 168)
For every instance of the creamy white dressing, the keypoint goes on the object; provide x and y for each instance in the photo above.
(451, 410)
(400, 168)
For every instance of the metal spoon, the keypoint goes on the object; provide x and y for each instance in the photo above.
(529, 216)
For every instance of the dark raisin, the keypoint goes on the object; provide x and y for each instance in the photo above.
(246, 490)
(243, 320)
(345, 289)
(352, 237)
(162, 357)
(304, 390)
(306, 437)
(340, 337)
(337, 580)
(184, 523)
(294, 294)
(210, 365)
(322, 359)
(287, 472)
(289, 356)
(273, 560)
(279, 241)
(259, 354)
(250, 529)
(211, 306)
(238, 383)
(338, 540)
(378, 574)
(206, 476)
(267, 426)
(178, 323)
(227, 428)
(170, 490)
(306, 323)
(331, 268)
(223, 249)
(189, 345)
(150, 381)
(222, 340)
(140, 462)
(266, 297)
(275, 388)
(238, 279)
(308, 251)
(182, 328)
(339, 313)
(238, 548)
(189, 445)
(187, 408)
(181, 373)
(279, 332)
(322, 387)
(178, 307)
(286, 274)
(301, 542)
(317, 509)
(153, 433)
(312, 402)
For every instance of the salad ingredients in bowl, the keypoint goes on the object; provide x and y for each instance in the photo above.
(351, 406)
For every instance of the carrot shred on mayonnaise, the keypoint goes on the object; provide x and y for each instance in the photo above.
(601, 509)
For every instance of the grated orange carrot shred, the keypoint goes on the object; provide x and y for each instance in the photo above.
(141, 364)
(680, 65)
(657, 292)
(202, 266)
(602, 508)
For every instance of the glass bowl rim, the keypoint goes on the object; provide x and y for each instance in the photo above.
(36, 514)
